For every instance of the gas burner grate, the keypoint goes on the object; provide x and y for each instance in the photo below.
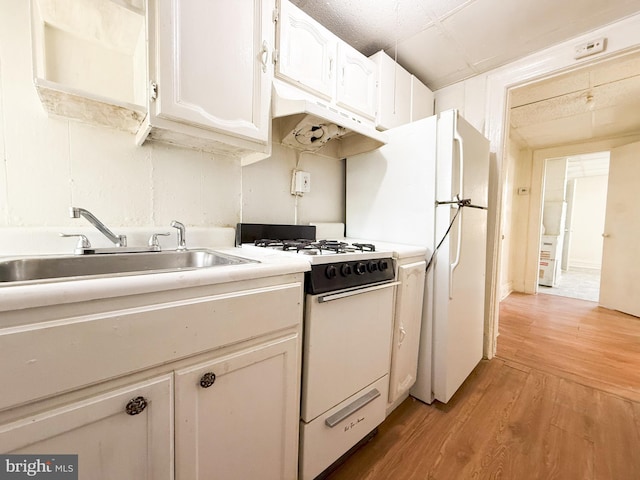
(334, 246)
(268, 242)
(314, 247)
(365, 247)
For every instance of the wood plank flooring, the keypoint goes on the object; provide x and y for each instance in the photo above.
(560, 401)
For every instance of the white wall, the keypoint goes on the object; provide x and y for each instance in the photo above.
(509, 233)
(587, 223)
(48, 164)
(266, 189)
(520, 221)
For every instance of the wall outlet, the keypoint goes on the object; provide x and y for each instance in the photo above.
(300, 182)
(589, 48)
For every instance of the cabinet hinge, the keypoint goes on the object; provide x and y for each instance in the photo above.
(276, 15)
(153, 91)
(276, 56)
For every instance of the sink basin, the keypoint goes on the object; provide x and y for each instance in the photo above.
(50, 268)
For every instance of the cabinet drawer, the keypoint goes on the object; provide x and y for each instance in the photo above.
(321, 444)
(52, 357)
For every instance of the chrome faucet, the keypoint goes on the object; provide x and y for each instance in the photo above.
(182, 242)
(118, 240)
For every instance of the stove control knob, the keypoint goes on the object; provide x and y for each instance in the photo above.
(346, 270)
(331, 272)
(372, 266)
(383, 265)
(360, 268)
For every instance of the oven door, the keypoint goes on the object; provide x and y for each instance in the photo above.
(347, 341)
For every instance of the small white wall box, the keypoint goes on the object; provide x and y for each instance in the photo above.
(301, 182)
(589, 48)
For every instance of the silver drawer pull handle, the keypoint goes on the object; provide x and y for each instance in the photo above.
(352, 408)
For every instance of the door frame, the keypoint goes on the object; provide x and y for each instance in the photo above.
(547, 63)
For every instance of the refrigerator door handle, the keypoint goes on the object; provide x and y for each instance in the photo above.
(454, 264)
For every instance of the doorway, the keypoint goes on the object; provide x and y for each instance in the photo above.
(573, 219)
(582, 112)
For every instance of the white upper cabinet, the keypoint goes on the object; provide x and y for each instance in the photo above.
(210, 67)
(402, 98)
(315, 60)
(195, 73)
(421, 100)
(357, 81)
(394, 92)
(307, 52)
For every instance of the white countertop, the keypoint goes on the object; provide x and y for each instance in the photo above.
(69, 291)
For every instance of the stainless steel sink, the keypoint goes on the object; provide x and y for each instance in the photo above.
(51, 268)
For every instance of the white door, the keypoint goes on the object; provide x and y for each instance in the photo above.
(357, 81)
(237, 416)
(620, 276)
(114, 437)
(306, 52)
(214, 64)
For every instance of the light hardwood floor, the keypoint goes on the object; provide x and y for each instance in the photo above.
(560, 401)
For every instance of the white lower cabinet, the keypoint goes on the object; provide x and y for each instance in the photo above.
(126, 433)
(236, 416)
(188, 384)
(407, 323)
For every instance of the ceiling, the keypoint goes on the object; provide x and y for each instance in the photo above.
(595, 102)
(444, 41)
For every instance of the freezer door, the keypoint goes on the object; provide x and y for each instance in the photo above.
(460, 265)
(391, 190)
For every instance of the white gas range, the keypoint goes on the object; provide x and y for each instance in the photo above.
(348, 325)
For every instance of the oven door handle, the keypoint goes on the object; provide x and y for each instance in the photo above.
(351, 293)
(352, 408)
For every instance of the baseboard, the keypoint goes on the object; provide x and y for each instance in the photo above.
(505, 290)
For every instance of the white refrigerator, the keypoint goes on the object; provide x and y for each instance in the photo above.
(432, 177)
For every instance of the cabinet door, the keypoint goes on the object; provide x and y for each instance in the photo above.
(110, 443)
(242, 423)
(394, 92)
(421, 100)
(357, 81)
(406, 335)
(213, 64)
(306, 51)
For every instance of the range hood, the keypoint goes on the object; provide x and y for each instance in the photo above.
(306, 123)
